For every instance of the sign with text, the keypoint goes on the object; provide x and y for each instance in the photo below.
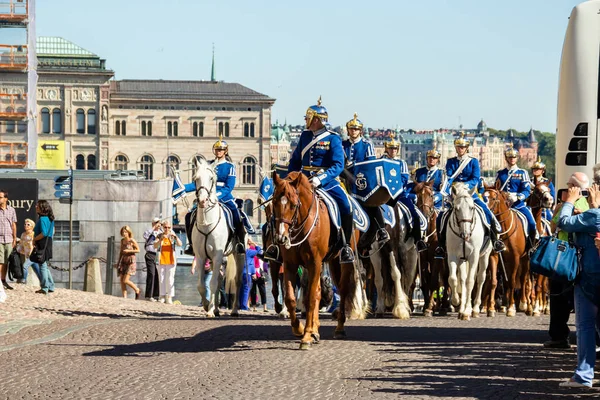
(22, 196)
(51, 154)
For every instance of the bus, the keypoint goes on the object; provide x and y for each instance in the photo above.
(578, 116)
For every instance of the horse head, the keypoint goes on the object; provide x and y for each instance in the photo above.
(541, 196)
(206, 184)
(425, 202)
(463, 207)
(497, 200)
(286, 204)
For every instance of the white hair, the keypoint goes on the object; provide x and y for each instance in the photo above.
(580, 180)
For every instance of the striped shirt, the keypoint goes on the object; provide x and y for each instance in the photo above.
(8, 216)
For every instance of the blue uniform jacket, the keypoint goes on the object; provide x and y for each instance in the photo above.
(226, 178)
(361, 150)
(469, 175)
(322, 151)
(518, 182)
(434, 174)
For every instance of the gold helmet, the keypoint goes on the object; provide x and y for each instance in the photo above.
(392, 144)
(220, 145)
(461, 141)
(354, 123)
(316, 111)
(539, 164)
(511, 152)
(433, 153)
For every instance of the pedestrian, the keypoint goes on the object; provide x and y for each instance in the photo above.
(561, 294)
(258, 281)
(167, 262)
(126, 266)
(204, 282)
(152, 290)
(249, 270)
(44, 231)
(587, 287)
(25, 247)
(8, 235)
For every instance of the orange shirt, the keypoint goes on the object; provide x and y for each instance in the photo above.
(166, 252)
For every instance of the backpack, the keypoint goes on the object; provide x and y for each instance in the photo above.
(15, 267)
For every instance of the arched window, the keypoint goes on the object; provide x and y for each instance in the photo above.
(147, 166)
(117, 127)
(249, 171)
(195, 129)
(226, 129)
(175, 128)
(201, 129)
(56, 121)
(169, 128)
(80, 161)
(121, 162)
(80, 120)
(252, 129)
(91, 121)
(45, 121)
(91, 162)
(220, 128)
(143, 128)
(172, 164)
(149, 128)
(249, 207)
(246, 129)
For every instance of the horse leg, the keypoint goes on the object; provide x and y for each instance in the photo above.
(481, 272)
(546, 292)
(401, 308)
(274, 272)
(465, 295)
(313, 298)
(493, 284)
(201, 288)
(511, 309)
(346, 286)
(240, 260)
(290, 299)
(212, 302)
(376, 261)
(453, 282)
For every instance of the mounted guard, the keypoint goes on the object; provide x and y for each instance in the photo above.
(515, 181)
(464, 168)
(429, 173)
(538, 172)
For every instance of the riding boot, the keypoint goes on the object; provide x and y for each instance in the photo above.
(240, 233)
(417, 236)
(496, 243)
(346, 254)
(188, 231)
(382, 235)
(440, 251)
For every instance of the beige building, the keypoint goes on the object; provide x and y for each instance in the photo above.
(148, 125)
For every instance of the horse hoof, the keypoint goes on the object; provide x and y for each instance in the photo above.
(464, 317)
(299, 331)
(443, 312)
(217, 312)
(379, 315)
(491, 313)
(284, 315)
(536, 313)
(428, 313)
(511, 313)
(305, 345)
(235, 313)
(339, 335)
(503, 309)
(475, 314)
(278, 308)
(547, 311)
(316, 338)
(210, 314)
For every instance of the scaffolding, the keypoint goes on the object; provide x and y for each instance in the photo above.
(14, 11)
(13, 57)
(13, 109)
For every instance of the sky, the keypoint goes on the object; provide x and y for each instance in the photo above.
(408, 63)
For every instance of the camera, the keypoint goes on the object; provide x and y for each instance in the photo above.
(562, 194)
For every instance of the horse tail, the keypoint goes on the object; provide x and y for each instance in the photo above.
(230, 275)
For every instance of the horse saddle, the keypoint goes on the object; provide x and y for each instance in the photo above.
(407, 216)
(524, 222)
(361, 221)
(228, 219)
(486, 224)
(245, 220)
(389, 217)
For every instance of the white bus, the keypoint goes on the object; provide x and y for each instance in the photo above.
(578, 135)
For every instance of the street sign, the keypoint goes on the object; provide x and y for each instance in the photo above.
(47, 146)
(65, 200)
(62, 186)
(62, 178)
(62, 194)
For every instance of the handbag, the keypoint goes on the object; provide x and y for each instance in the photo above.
(37, 256)
(556, 258)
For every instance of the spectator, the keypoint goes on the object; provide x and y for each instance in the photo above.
(127, 264)
(25, 247)
(204, 283)
(249, 270)
(587, 289)
(224, 298)
(44, 230)
(150, 259)
(561, 294)
(8, 234)
(258, 281)
(167, 262)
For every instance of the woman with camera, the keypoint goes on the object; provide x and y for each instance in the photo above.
(167, 262)
(587, 289)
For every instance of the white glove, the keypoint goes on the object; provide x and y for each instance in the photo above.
(316, 182)
(512, 197)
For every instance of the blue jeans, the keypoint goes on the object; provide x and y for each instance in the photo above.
(207, 278)
(245, 291)
(46, 281)
(586, 321)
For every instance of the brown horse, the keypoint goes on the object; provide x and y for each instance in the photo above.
(540, 200)
(433, 271)
(303, 234)
(516, 260)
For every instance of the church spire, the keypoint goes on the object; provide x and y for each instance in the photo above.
(212, 70)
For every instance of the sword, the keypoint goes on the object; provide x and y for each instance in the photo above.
(503, 267)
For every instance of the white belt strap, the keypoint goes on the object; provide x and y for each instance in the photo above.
(313, 142)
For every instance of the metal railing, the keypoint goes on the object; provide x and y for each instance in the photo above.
(15, 108)
(14, 10)
(13, 57)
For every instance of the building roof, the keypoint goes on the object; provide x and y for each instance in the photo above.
(57, 46)
(193, 90)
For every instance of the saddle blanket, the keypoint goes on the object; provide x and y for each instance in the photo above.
(405, 212)
(389, 217)
(361, 221)
(523, 222)
(480, 212)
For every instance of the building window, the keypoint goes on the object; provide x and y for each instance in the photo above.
(249, 129)
(143, 128)
(91, 121)
(80, 120)
(121, 162)
(21, 126)
(249, 171)
(45, 121)
(249, 207)
(175, 128)
(61, 231)
(91, 162)
(252, 129)
(195, 129)
(56, 121)
(117, 127)
(226, 129)
(220, 129)
(147, 166)
(123, 128)
(10, 125)
(172, 164)
(149, 128)
(80, 162)
(169, 128)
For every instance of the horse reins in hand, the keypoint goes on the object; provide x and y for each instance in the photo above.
(298, 229)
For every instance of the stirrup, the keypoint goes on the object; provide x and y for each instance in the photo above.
(239, 248)
(421, 246)
(346, 255)
(440, 253)
(382, 236)
(499, 246)
(272, 253)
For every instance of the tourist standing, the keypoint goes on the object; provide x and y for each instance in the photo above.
(167, 262)
(8, 234)
(44, 230)
(258, 281)
(150, 259)
(127, 264)
(25, 247)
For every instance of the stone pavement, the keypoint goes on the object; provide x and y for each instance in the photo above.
(79, 345)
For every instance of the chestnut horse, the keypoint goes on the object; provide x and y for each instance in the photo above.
(516, 260)
(541, 200)
(433, 271)
(303, 234)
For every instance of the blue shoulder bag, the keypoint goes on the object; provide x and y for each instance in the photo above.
(555, 258)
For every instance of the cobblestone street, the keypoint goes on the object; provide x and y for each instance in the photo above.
(72, 344)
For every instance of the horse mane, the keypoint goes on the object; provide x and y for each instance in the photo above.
(460, 189)
(200, 164)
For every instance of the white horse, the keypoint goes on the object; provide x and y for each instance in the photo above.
(464, 238)
(210, 236)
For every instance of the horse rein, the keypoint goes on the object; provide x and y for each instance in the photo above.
(294, 230)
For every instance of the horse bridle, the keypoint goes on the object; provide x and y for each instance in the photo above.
(539, 197)
(208, 192)
(461, 221)
(294, 230)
